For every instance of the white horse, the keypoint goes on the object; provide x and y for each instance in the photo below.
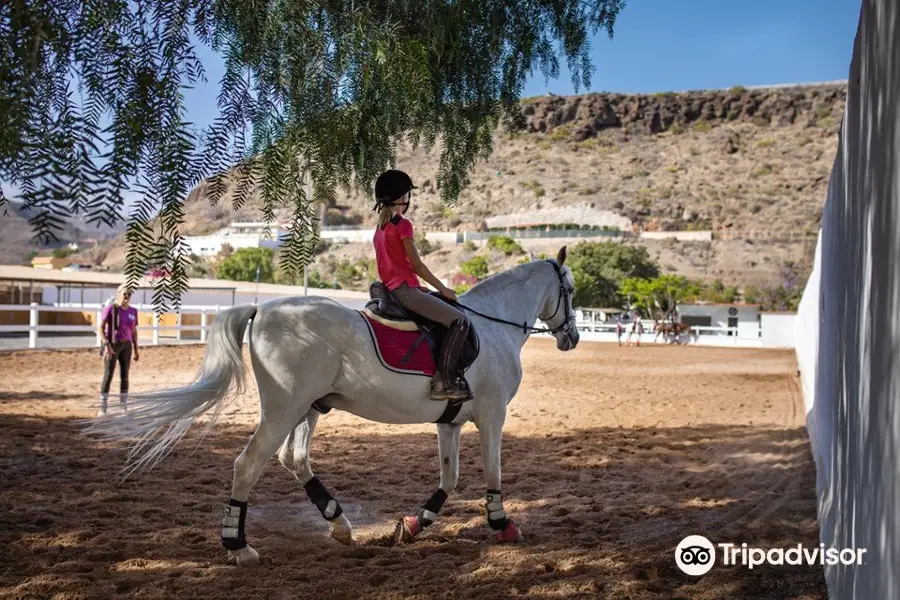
(307, 349)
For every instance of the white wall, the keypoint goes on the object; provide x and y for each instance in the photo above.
(850, 323)
(365, 236)
(806, 338)
(52, 295)
(444, 237)
(348, 235)
(210, 245)
(719, 313)
(453, 237)
(684, 236)
(777, 329)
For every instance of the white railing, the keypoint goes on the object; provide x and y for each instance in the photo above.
(700, 334)
(34, 328)
(590, 330)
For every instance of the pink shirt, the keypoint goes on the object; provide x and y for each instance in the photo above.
(394, 268)
(127, 322)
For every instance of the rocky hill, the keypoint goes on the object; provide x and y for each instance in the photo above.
(17, 241)
(742, 160)
(751, 165)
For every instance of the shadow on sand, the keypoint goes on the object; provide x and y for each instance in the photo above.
(602, 511)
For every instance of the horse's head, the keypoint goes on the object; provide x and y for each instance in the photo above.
(557, 312)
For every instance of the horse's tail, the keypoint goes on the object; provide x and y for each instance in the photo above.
(221, 376)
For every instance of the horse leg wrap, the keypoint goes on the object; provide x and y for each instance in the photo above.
(319, 496)
(428, 514)
(496, 517)
(233, 521)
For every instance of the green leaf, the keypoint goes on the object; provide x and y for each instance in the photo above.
(335, 87)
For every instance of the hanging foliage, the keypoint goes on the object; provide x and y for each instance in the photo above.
(91, 103)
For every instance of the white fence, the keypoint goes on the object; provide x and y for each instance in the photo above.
(34, 328)
(343, 234)
(739, 337)
(849, 328)
(742, 337)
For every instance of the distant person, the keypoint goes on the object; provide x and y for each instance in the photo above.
(118, 332)
(619, 329)
(637, 328)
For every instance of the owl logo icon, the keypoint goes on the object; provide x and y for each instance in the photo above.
(695, 555)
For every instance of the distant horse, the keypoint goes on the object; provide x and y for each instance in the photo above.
(675, 330)
(682, 329)
(311, 355)
(664, 328)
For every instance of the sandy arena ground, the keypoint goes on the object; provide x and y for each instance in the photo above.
(611, 456)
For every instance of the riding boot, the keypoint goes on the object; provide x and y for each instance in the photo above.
(104, 398)
(448, 386)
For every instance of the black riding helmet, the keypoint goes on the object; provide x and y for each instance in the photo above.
(390, 187)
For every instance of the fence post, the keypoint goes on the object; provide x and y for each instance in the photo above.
(178, 323)
(98, 317)
(155, 328)
(203, 326)
(33, 325)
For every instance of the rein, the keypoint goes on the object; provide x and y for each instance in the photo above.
(526, 328)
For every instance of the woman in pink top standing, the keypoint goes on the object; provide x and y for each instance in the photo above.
(118, 330)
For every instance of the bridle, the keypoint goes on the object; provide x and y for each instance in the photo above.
(564, 299)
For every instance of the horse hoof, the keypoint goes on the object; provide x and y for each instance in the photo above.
(510, 535)
(245, 557)
(342, 531)
(406, 531)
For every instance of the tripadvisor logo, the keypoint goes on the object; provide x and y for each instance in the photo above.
(696, 555)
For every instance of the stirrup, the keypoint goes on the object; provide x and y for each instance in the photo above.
(455, 394)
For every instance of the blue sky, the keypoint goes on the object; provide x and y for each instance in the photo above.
(676, 45)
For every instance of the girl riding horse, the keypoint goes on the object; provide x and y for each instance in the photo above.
(399, 268)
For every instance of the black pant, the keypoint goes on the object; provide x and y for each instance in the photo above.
(122, 353)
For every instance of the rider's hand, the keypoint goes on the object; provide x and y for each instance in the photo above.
(448, 293)
(108, 353)
(137, 354)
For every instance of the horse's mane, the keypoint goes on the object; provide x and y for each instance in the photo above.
(517, 275)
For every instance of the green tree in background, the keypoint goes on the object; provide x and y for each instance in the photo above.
(717, 292)
(654, 297)
(242, 264)
(600, 268)
(316, 281)
(505, 244)
(92, 103)
(476, 267)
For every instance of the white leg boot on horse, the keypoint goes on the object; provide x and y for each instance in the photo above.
(247, 469)
(294, 456)
(448, 452)
(490, 434)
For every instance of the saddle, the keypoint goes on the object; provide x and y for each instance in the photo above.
(385, 309)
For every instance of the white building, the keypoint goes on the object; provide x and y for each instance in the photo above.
(742, 319)
(237, 235)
